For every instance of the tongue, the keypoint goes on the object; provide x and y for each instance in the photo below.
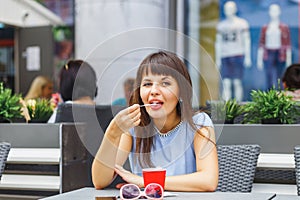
(156, 106)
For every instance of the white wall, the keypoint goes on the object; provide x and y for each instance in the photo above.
(115, 35)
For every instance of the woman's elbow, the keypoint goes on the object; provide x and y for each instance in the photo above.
(98, 186)
(211, 185)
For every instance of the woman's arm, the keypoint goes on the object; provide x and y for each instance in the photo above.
(110, 153)
(206, 177)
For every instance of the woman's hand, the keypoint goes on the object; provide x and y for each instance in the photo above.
(55, 99)
(129, 177)
(128, 118)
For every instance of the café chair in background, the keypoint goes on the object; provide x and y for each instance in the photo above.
(237, 165)
(97, 119)
(4, 150)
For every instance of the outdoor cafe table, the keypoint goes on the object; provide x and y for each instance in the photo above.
(89, 193)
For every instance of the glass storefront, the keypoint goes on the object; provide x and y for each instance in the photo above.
(272, 28)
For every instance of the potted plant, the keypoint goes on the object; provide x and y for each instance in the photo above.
(10, 106)
(40, 110)
(271, 106)
(225, 111)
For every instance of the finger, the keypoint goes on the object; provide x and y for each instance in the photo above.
(133, 108)
(136, 123)
(136, 117)
(119, 185)
(134, 112)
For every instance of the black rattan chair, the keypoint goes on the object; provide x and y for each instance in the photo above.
(237, 164)
(4, 150)
(297, 167)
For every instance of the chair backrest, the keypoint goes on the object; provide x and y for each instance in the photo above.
(97, 119)
(237, 165)
(297, 167)
(4, 150)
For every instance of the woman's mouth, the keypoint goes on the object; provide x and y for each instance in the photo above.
(155, 105)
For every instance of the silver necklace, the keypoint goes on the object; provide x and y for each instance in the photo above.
(169, 132)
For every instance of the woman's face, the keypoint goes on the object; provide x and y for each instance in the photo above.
(163, 92)
(47, 91)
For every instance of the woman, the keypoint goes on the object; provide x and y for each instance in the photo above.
(41, 87)
(77, 84)
(160, 129)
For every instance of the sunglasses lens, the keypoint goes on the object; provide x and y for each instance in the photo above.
(154, 191)
(130, 192)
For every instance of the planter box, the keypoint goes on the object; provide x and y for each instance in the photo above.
(273, 138)
(276, 141)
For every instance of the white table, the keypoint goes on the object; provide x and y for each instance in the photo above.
(91, 193)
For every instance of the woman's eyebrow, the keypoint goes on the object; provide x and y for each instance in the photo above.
(146, 79)
(167, 77)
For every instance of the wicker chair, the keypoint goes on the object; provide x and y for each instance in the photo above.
(4, 150)
(297, 166)
(237, 164)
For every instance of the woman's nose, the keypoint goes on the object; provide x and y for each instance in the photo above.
(155, 89)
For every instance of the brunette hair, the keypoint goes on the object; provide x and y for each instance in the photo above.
(77, 79)
(291, 77)
(161, 63)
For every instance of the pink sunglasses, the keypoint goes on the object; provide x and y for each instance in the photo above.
(131, 191)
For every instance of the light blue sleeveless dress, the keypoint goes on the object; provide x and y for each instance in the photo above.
(174, 152)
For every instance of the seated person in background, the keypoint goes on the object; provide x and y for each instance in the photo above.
(159, 128)
(128, 87)
(291, 81)
(78, 88)
(41, 87)
(77, 84)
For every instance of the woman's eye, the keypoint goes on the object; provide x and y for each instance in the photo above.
(146, 84)
(165, 83)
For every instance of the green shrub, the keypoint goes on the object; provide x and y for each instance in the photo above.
(10, 106)
(271, 104)
(225, 111)
(40, 109)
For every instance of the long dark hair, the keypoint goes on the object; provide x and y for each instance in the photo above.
(77, 79)
(161, 63)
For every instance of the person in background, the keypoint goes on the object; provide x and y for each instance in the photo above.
(41, 87)
(128, 87)
(77, 84)
(291, 81)
(159, 128)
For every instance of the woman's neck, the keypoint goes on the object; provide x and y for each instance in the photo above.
(84, 100)
(165, 125)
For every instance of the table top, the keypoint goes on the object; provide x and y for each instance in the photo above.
(91, 194)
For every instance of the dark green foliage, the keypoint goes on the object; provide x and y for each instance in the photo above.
(271, 104)
(232, 109)
(225, 110)
(40, 109)
(10, 106)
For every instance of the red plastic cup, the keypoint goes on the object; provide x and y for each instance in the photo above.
(154, 175)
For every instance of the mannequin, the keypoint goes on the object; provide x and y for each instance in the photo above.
(274, 53)
(232, 51)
